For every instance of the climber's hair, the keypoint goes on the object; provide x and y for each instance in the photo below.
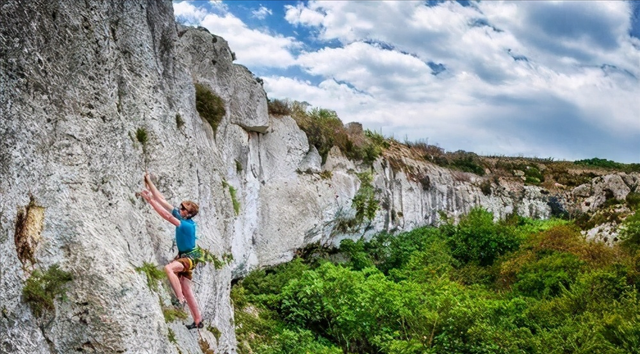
(191, 207)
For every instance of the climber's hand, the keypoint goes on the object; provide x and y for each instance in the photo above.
(146, 195)
(147, 179)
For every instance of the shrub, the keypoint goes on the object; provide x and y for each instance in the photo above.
(365, 202)
(358, 258)
(234, 200)
(394, 251)
(142, 136)
(485, 187)
(548, 275)
(278, 107)
(630, 232)
(373, 147)
(533, 175)
(633, 200)
(179, 121)
(459, 160)
(152, 273)
(209, 105)
(478, 239)
(173, 314)
(172, 336)
(264, 285)
(596, 162)
(324, 130)
(42, 288)
(468, 164)
(568, 296)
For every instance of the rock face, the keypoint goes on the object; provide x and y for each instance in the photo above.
(81, 83)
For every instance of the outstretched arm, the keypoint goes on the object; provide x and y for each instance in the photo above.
(158, 208)
(156, 194)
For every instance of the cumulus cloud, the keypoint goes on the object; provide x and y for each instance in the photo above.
(261, 13)
(188, 13)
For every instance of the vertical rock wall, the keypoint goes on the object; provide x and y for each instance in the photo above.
(80, 80)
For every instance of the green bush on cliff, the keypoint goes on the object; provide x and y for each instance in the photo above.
(324, 130)
(42, 288)
(152, 273)
(209, 105)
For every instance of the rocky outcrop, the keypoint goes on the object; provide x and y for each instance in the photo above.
(603, 200)
(79, 89)
(593, 195)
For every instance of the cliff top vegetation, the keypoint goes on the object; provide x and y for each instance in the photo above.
(325, 129)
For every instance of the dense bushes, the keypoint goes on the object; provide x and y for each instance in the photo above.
(522, 286)
(604, 163)
(460, 160)
(478, 239)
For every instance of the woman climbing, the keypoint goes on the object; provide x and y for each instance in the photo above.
(179, 271)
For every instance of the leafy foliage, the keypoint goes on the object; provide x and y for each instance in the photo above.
(152, 273)
(633, 200)
(630, 232)
(205, 256)
(234, 199)
(142, 136)
(604, 163)
(365, 202)
(478, 239)
(518, 286)
(209, 105)
(278, 107)
(42, 288)
(173, 314)
(459, 160)
(325, 130)
(179, 121)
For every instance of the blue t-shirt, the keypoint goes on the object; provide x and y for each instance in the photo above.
(185, 233)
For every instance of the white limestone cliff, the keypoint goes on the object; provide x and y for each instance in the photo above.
(79, 79)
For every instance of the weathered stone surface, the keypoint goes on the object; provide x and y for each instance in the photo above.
(582, 191)
(632, 181)
(312, 162)
(337, 161)
(603, 188)
(210, 62)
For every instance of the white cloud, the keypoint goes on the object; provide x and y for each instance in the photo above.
(253, 48)
(302, 15)
(261, 13)
(188, 13)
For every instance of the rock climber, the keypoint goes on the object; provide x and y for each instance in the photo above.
(179, 271)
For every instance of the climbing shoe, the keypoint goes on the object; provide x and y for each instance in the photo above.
(178, 305)
(194, 325)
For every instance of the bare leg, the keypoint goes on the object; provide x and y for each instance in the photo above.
(191, 299)
(171, 269)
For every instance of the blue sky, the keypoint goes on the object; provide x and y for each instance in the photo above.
(531, 78)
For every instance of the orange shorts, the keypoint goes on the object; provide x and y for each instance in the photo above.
(188, 265)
